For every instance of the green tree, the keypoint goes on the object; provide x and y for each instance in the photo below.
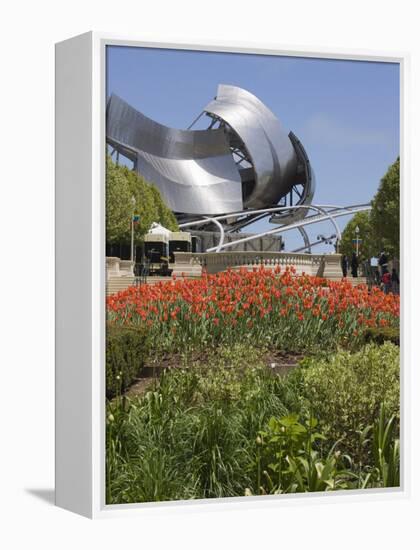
(385, 214)
(379, 228)
(118, 203)
(165, 215)
(122, 186)
(367, 245)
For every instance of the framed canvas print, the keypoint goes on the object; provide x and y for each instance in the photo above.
(229, 274)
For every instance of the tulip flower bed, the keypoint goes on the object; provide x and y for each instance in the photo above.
(222, 424)
(267, 308)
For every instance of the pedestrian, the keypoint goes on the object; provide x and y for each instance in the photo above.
(354, 265)
(383, 262)
(395, 282)
(375, 271)
(344, 265)
(386, 280)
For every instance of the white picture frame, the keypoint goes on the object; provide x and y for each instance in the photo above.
(80, 274)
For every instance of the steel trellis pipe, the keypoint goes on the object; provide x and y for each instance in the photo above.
(264, 210)
(314, 219)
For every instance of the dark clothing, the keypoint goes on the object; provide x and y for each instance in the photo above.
(383, 262)
(395, 282)
(354, 265)
(383, 259)
(344, 265)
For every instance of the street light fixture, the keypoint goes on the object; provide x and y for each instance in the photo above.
(357, 230)
(133, 202)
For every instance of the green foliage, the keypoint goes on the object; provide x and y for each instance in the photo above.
(227, 426)
(346, 390)
(165, 216)
(229, 375)
(122, 185)
(385, 214)
(386, 449)
(379, 228)
(381, 335)
(368, 246)
(192, 435)
(119, 207)
(290, 461)
(126, 350)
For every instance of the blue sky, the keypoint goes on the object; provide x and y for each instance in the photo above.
(346, 113)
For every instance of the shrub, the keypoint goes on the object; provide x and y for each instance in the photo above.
(193, 434)
(227, 375)
(227, 426)
(288, 460)
(386, 449)
(345, 392)
(126, 350)
(380, 335)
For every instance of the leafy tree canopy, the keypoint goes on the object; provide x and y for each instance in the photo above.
(379, 229)
(127, 193)
(385, 214)
(367, 245)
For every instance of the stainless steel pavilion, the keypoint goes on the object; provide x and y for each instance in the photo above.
(243, 161)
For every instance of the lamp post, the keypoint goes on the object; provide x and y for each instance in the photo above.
(357, 240)
(133, 202)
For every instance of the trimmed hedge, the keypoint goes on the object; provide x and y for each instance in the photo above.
(381, 335)
(126, 351)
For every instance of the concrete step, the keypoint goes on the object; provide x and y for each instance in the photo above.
(159, 279)
(353, 280)
(116, 284)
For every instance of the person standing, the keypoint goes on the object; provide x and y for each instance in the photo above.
(395, 282)
(354, 264)
(375, 270)
(344, 265)
(386, 281)
(383, 262)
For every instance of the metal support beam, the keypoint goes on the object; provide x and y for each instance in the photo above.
(307, 246)
(197, 118)
(320, 209)
(323, 215)
(315, 243)
(308, 221)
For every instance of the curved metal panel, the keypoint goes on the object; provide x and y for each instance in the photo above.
(305, 172)
(194, 170)
(268, 145)
(305, 177)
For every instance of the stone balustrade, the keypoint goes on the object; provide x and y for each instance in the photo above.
(332, 267)
(191, 264)
(115, 267)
